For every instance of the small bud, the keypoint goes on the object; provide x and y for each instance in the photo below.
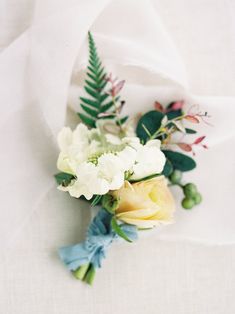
(110, 203)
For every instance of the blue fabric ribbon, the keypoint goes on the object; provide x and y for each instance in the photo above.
(99, 237)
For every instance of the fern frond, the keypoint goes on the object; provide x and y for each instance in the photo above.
(94, 87)
(98, 101)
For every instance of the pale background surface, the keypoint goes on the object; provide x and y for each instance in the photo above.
(177, 278)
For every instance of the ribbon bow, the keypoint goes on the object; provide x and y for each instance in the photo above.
(99, 237)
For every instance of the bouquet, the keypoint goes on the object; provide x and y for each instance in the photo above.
(124, 166)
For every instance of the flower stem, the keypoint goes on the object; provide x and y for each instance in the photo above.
(117, 114)
(81, 271)
(90, 275)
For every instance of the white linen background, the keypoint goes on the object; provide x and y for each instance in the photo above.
(176, 277)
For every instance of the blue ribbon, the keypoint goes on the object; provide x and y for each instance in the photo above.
(99, 238)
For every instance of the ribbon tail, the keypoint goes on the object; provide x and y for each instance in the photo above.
(75, 256)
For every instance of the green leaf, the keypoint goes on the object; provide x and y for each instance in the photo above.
(124, 119)
(190, 131)
(92, 69)
(92, 85)
(96, 200)
(90, 102)
(174, 114)
(101, 73)
(106, 107)
(90, 111)
(93, 77)
(119, 230)
(103, 97)
(150, 121)
(63, 178)
(102, 84)
(168, 168)
(95, 88)
(180, 161)
(85, 119)
(91, 92)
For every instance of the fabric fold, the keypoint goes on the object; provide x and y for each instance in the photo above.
(42, 71)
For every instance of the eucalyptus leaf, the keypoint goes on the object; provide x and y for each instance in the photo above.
(168, 169)
(172, 114)
(148, 124)
(180, 161)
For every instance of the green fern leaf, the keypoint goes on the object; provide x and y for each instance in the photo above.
(98, 101)
(103, 84)
(103, 97)
(92, 77)
(106, 107)
(88, 121)
(91, 92)
(90, 102)
(91, 84)
(90, 111)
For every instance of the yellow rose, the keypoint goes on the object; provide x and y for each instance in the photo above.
(146, 203)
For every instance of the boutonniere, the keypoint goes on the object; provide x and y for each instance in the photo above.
(123, 166)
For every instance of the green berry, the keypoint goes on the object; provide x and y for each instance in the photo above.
(197, 198)
(176, 176)
(187, 203)
(190, 190)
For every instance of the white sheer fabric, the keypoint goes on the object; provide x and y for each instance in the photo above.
(36, 70)
(42, 61)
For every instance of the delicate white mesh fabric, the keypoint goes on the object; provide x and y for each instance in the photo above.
(42, 61)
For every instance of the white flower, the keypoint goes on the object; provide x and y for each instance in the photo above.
(113, 139)
(111, 168)
(99, 161)
(128, 157)
(149, 160)
(98, 179)
(75, 147)
(87, 183)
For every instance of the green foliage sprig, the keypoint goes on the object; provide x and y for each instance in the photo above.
(100, 103)
(161, 124)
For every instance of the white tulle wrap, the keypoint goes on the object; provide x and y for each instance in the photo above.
(41, 75)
